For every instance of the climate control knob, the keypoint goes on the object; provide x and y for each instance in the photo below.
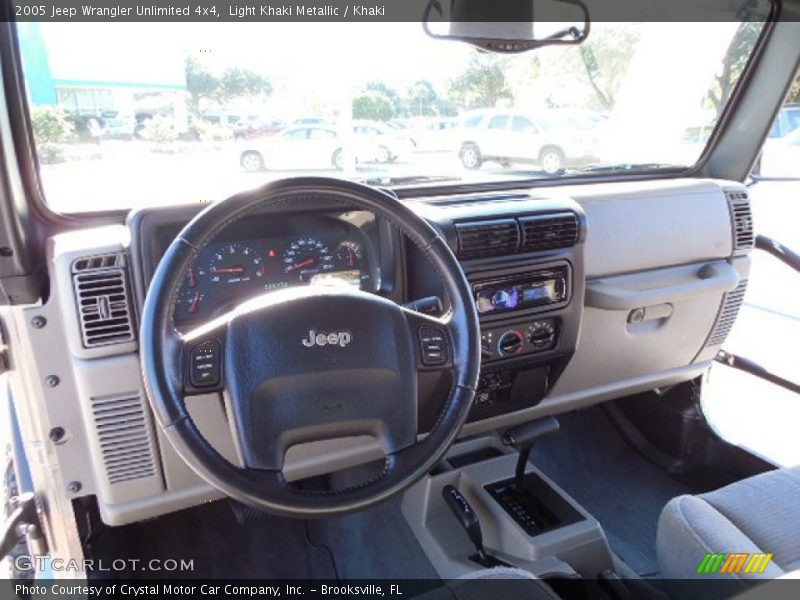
(511, 342)
(541, 334)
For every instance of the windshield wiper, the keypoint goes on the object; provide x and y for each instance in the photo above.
(624, 167)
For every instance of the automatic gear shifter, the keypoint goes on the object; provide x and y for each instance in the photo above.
(523, 438)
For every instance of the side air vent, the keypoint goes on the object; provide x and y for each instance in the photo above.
(124, 439)
(742, 220)
(727, 314)
(548, 232)
(103, 301)
(92, 263)
(487, 238)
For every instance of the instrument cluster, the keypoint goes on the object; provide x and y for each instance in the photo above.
(226, 273)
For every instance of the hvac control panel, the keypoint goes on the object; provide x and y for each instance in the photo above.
(517, 339)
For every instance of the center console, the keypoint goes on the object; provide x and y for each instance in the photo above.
(543, 530)
(524, 264)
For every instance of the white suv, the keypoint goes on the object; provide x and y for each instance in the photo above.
(551, 141)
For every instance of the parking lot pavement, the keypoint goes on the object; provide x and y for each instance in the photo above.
(745, 410)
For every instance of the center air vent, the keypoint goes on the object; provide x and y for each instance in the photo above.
(534, 233)
(487, 238)
(742, 221)
(103, 301)
(548, 232)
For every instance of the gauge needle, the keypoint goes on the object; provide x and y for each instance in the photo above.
(305, 263)
(229, 270)
(195, 301)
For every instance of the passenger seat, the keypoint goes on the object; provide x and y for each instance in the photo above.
(760, 514)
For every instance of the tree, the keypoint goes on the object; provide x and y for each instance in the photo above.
(423, 98)
(373, 106)
(51, 125)
(605, 58)
(241, 83)
(482, 84)
(398, 103)
(200, 83)
(794, 92)
(733, 64)
(234, 83)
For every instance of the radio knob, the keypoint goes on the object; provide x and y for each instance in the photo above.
(510, 342)
(500, 299)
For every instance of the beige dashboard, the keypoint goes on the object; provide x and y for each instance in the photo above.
(673, 249)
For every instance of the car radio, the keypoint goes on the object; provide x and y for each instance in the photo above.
(522, 291)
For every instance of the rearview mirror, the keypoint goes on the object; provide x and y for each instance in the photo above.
(508, 26)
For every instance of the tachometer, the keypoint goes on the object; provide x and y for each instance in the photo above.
(233, 264)
(306, 257)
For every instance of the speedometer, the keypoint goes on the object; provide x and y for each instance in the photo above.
(306, 257)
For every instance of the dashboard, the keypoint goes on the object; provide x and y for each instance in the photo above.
(544, 267)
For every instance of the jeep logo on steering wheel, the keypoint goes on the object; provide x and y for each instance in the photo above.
(338, 338)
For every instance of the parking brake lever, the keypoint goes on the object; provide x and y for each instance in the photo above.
(469, 521)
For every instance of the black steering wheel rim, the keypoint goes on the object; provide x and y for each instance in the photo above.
(161, 348)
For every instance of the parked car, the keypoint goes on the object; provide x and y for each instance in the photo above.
(318, 121)
(258, 128)
(509, 136)
(388, 144)
(302, 148)
(781, 156)
(787, 121)
(435, 135)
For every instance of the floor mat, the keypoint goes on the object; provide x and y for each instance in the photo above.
(593, 463)
(219, 546)
(374, 543)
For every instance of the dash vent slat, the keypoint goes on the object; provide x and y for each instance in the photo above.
(104, 311)
(124, 438)
(727, 315)
(487, 238)
(549, 232)
(500, 237)
(742, 220)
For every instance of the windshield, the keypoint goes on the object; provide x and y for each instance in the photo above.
(202, 111)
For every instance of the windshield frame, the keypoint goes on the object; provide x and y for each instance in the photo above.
(27, 164)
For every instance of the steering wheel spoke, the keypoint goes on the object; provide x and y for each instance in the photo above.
(202, 359)
(432, 339)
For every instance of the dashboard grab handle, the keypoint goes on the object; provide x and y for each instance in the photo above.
(713, 278)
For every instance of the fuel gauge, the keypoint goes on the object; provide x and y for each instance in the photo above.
(189, 301)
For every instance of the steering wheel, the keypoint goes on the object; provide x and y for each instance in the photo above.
(312, 363)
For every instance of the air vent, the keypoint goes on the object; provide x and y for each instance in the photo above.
(548, 232)
(487, 238)
(103, 302)
(742, 220)
(92, 263)
(727, 314)
(125, 443)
